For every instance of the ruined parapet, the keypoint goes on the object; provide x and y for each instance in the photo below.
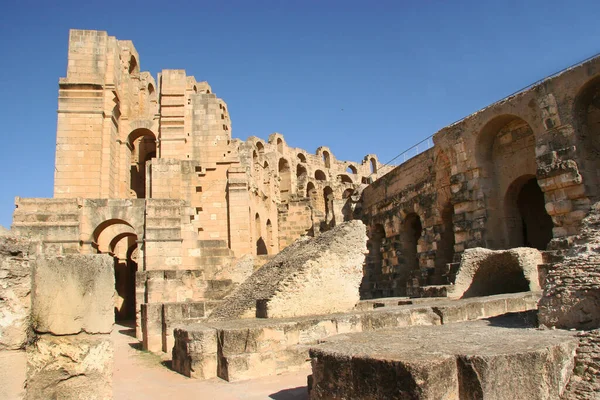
(484, 272)
(71, 356)
(15, 285)
(312, 276)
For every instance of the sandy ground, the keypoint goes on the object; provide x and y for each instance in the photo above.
(140, 375)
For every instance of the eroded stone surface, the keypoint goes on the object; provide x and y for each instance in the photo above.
(469, 360)
(15, 288)
(571, 297)
(72, 294)
(312, 276)
(73, 367)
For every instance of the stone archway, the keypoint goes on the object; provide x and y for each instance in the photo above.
(527, 222)
(505, 152)
(142, 143)
(118, 238)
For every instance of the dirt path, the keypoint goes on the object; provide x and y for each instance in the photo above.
(141, 375)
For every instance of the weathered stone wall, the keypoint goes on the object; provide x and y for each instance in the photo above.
(72, 301)
(585, 381)
(15, 288)
(571, 300)
(517, 173)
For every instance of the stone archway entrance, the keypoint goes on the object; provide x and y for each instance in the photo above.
(119, 239)
(527, 222)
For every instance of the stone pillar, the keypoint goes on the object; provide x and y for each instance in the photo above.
(72, 315)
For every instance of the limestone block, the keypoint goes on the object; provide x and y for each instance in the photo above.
(72, 294)
(484, 272)
(152, 327)
(312, 276)
(473, 360)
(15, 287)
(195, 351)
(70, 367)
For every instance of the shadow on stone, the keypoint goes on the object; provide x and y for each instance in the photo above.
(299, 393)
(520, 320)
(136, 346)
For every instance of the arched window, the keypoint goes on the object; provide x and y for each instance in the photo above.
(327, 159)
(300, 171)
(373, 166)
(320, 175)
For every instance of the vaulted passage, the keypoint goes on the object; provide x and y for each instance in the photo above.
(142, 143)
(117, 238)
(529, 224)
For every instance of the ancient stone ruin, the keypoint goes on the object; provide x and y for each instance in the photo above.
(243, 259)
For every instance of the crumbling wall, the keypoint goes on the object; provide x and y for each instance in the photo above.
(15, 287)
(571, 299)
(571, 296)
(71, 356)
(312, 276)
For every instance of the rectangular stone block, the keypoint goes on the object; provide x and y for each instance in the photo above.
(152, 327)
(72, 294)
(195, 351)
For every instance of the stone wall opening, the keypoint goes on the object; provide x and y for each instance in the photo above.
(261, 246)
(505, 152)
(270, 242)
(285, 180)
(326, 159)
(328, 202)
(527, 222)
(412, 231)
(320, 175)
(498, 273)
(118, 238)
(445, 247)
(142, 144)
(300, 171)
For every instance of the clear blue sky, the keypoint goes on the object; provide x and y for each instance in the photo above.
(360, 77)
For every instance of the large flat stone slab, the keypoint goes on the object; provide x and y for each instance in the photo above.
(470, 360)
